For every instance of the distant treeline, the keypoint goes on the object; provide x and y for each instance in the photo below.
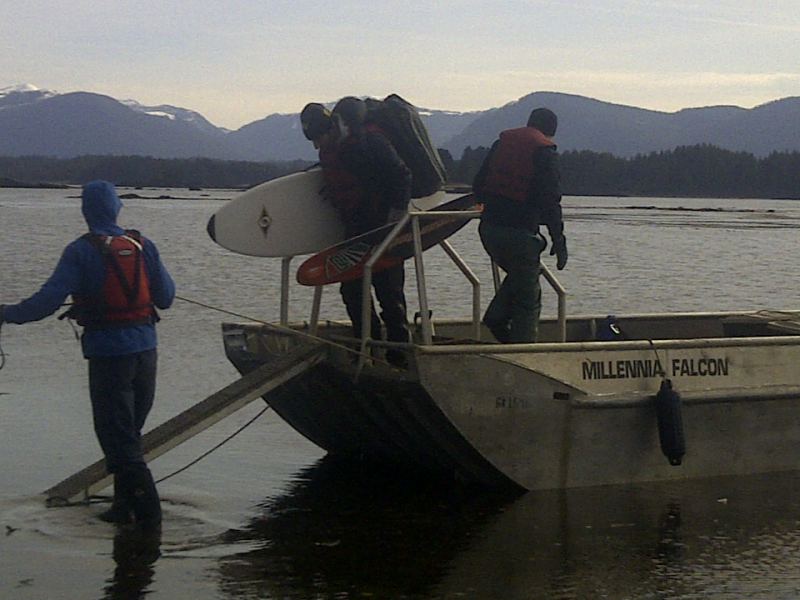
(699, 171)
(144, 171)
(687, 171)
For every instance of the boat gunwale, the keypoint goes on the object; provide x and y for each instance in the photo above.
(594, 346)
(481, 347)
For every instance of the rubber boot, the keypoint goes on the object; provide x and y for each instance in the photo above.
(120, 510)
(144, 498)
(397, 332)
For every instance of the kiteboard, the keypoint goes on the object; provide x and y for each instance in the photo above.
(345, 261)
(287, 216)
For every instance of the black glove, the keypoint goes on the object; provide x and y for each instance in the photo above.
(559, 249)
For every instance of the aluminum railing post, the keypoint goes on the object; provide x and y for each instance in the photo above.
(562, 300)
(427, 333)
(285, 290)
(473, 279)
(313, 326)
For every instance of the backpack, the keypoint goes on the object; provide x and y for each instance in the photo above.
(401, 123)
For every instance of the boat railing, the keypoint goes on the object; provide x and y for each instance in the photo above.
(426, 326)
(561, 294)
(425, 316)
(425, 321)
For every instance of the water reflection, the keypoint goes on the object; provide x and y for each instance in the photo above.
(135, 554)
(339, 534)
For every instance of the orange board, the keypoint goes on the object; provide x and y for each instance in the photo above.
(345, 261)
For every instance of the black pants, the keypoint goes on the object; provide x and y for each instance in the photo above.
(388, 285)
(122, 389)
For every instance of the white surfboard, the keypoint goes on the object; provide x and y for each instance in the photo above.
(286, 216)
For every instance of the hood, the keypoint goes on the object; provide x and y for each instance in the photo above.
(100, 206)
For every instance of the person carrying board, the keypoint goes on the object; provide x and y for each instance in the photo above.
(519, 185)
(370, 185)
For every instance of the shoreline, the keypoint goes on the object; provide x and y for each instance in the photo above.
(10, 183)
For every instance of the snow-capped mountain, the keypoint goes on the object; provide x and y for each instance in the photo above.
(22, 94)
(42, 122)
(175, 113)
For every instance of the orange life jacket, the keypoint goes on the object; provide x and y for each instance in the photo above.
(124, 299)
(510, 169)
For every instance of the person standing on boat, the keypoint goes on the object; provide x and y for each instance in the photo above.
(370, 185)
(520, 186)
(116, 280)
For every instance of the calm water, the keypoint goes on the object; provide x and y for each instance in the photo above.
(267, 517)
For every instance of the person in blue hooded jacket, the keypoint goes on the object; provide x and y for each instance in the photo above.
(116, 280)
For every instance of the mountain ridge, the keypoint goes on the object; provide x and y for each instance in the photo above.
(46, 123)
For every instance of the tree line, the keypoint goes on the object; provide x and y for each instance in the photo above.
(687, 171)
(145, 171)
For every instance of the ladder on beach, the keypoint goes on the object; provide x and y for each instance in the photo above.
(192, 421)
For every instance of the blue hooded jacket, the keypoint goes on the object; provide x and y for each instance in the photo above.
(81, 270)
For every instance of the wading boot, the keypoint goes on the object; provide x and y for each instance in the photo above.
(120, 512)
(144, 499)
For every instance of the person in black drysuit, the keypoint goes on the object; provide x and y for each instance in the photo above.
(370, 185)
(520, 186)
(116, 279)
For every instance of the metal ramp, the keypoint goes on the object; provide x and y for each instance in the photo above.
(192, 421)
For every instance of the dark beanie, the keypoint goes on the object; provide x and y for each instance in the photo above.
(545, 120)
(316, 120)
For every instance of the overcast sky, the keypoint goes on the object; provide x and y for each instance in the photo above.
(236, 61)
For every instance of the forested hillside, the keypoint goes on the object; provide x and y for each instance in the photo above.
(143, 171)
(687, 171)
(698, 171)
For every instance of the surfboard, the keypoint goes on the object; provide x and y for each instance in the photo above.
(345, 261)
(287, 216)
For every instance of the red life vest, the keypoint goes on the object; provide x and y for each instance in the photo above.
(341, 186)
(124, 299)
(510, 170)
(345, 190)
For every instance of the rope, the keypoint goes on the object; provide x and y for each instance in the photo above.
(2, 354)
(219, 445)
(251, 421)
(266, 408)
(287, 330)
(658, 360)
(282, 329)
(99, 499)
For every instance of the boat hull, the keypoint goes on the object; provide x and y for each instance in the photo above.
(387, 419)
(543, 430)
(550, 415)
